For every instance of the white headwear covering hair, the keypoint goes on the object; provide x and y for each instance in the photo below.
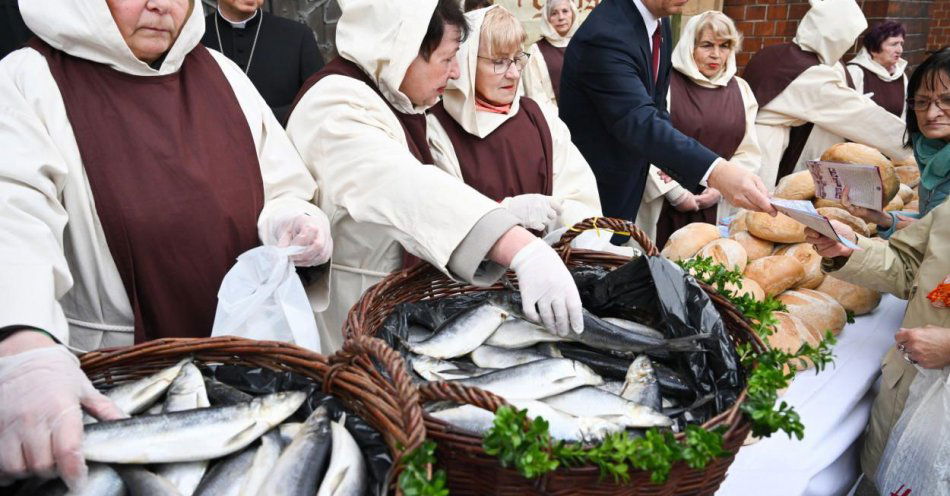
(830, 28)
(684, 62)
(548, 31)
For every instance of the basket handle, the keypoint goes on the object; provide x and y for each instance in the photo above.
(451, 391)
(563, 245)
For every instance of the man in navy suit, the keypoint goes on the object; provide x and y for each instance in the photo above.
(613, 98)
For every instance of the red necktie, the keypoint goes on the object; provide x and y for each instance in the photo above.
(657, 41)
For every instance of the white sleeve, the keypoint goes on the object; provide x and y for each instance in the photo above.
(574, 181)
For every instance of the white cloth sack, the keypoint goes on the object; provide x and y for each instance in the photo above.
(917, 456)
(261, 297)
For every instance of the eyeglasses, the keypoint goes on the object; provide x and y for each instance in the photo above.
(942, 102)
(501, 65)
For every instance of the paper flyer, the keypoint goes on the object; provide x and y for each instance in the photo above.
(804, 212)
(864, 182)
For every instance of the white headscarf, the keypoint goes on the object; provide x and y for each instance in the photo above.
(684, 62)
(548, 31)
(864, 59)
(830, 28)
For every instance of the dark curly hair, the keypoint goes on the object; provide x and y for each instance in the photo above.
(875, 37)
(927, 74)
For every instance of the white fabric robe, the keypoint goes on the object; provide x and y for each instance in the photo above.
(748, 155)
(380, 199)
(574, 182)
(56, 271)
(536, 80)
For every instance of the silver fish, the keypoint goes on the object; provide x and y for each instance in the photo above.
(602, 335)
(346, 475)
(434, 369)
(265, 459)
(102, 480)
(535, 380)
(141, 482)
(549, 350)
(493, 357)
(518, 333)
(468, 418)
(222, 394)
(227, 476)
(300, 466)
(592, 402)
(418, 333)
(568, 427)
(635, 327)
(187, 392)
(287, 432)
(640, 385)
(612, 387)
(462, 333)
(188, 436)
(137, 396)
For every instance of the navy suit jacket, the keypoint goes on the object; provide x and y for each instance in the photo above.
(617, 116)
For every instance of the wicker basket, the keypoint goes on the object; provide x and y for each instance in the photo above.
(470, 470)
(389, 403)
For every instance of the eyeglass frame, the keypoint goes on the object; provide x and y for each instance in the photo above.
(942, 102)
(525, 56)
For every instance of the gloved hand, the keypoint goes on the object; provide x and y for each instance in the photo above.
(547, 287)
(310, 231)
(41, 430)
(535, 211)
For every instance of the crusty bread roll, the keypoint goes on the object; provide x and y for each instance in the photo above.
(856, 153)
(780, 229)
(749, 287)
(825, 203)
(909, 160)
(811, 261)
(755, 248)
(727, 252)
(906, 193)
(841, 215)
(797, 186)
(913, 206)
(775, 273)
(818, 310)
(908, 174)
(738, 223)
(790, 333)
(857, 299)
(895, 204)
(688, 240)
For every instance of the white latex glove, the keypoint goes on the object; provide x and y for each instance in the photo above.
(548, 288)
(41, 431)
(535, 211)
(310, 231)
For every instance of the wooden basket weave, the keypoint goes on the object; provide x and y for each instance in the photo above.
(390, 402)
(470, 470)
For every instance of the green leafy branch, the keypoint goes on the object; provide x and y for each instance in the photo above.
(416, 479)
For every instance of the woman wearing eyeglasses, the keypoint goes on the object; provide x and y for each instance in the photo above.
(507, 146)
(928, 132)
(542, 77)
(709, 103)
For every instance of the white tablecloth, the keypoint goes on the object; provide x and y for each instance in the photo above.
(834, 407)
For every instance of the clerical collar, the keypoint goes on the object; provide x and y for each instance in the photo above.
(239, 24)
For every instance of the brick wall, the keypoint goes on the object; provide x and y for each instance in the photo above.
(770, 22)
(940, 25)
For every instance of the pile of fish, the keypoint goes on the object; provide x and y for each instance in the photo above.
(192, 435)
(610, 378)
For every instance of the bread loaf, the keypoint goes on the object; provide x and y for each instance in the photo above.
(726, 252)
(790, 333)
(856, 153)
(908, 174)
(797, 186)
(906, 193)
(818, 310)
(780, 229)
(811, 261)
(908, 161)
(688, 240)
(841, 215)
(856, 299)
(913, 206)
(738, 223)
(755, 248)
(749, 287)
(775, 273)
(895, 204)
(825, 203)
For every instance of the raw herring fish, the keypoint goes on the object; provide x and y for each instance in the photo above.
(187, 392)
(207, 433)
(518, 333)
(137, 396)
(536, 380)
(589, 401)
(434, 369)
(227, 476)
(265, 459)
(288, 430)
(635, 327)
(462, 333)
(301, 465)
(141, 482)
(641, 386)
(221, 394)
(102, 480)
(493, 357)
(565, 427)
(603, 335)
(346, 475)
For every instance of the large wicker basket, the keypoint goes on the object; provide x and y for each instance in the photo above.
(389, 402)
(470, 470)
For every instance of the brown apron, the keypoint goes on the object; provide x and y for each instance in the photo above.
(714, 117)
(554, 60)
(887, 94)
(515, 159)
(174, 175)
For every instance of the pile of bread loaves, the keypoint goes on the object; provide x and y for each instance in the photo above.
(772, 254)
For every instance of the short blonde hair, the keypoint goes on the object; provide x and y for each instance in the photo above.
(722, 28)
(501, 33)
